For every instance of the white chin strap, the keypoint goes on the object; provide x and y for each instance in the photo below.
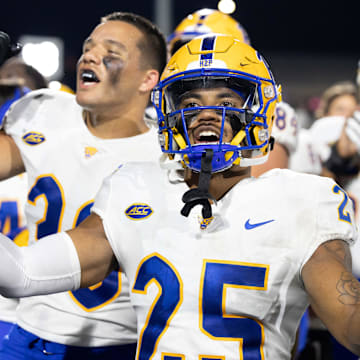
(255, 161)
(175, 164)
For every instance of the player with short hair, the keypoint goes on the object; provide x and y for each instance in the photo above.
(223, 265)
(67, 144)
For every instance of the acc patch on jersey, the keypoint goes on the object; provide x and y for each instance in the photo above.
(33, 138)
(138, 211)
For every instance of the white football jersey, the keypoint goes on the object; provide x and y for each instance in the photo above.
(313, 148)
(233, 290)
(285, 126)
(13, 194)
(66, 165)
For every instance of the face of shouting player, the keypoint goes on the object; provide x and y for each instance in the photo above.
(205, 126)
(109, 72)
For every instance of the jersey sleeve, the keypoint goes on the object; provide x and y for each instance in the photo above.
(21, 112)
(285, 126)
(37, 111)
(333, 217)
(106, 206)
(125, 203)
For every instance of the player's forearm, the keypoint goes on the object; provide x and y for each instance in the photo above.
(348, 320)
(353, 331)
(49, 266)
(11, 162)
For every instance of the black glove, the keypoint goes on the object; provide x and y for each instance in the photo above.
(7, 49)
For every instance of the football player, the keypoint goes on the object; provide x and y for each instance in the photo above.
(331, 147)
(16, 80)
(223, 265)
(67, 144)
(12, 199)
(338, 102)
(285, 127)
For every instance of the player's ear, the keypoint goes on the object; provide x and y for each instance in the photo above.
(151, 78)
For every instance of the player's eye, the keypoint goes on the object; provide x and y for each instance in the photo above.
(227, 103)
(113, 52)
(189, 103)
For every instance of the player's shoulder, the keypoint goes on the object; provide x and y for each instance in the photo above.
(138, 174)
(42, 105)
(31, 102)
(129, 182)
(42, 95)
(290, 181)
(290, 176)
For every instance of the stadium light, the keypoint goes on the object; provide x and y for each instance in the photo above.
(45, 54)
(227, 6)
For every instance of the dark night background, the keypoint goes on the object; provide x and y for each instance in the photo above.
(309, 44)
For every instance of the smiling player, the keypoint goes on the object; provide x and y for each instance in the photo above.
(221, 266)
(67, 145)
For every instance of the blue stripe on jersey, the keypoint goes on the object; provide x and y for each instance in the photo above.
(207, 44)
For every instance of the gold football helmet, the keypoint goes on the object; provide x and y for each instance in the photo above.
(202, 22)
(217, 61)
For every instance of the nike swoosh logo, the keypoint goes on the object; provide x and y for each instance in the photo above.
(249, 226)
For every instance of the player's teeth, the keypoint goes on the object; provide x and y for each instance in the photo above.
(89, 76)
(208, 133)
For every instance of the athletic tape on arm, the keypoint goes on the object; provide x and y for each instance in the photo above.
(50, 265)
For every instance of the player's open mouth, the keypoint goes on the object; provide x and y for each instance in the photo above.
(88, 76)
(206, 134)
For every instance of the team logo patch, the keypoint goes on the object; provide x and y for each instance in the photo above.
(138, 211)
(204, 223)
(90, 151)
(33, 138)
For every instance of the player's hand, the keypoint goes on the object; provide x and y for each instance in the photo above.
(352, 130)
(349, 142)
(7, 48)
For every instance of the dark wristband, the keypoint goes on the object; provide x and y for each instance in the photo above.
(341, 166)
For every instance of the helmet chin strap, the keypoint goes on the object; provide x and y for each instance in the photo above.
(200, 195)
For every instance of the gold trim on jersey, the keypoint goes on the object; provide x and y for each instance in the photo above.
(224, 315)
(154, 281)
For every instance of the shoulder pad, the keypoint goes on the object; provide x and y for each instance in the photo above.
(30, 103)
